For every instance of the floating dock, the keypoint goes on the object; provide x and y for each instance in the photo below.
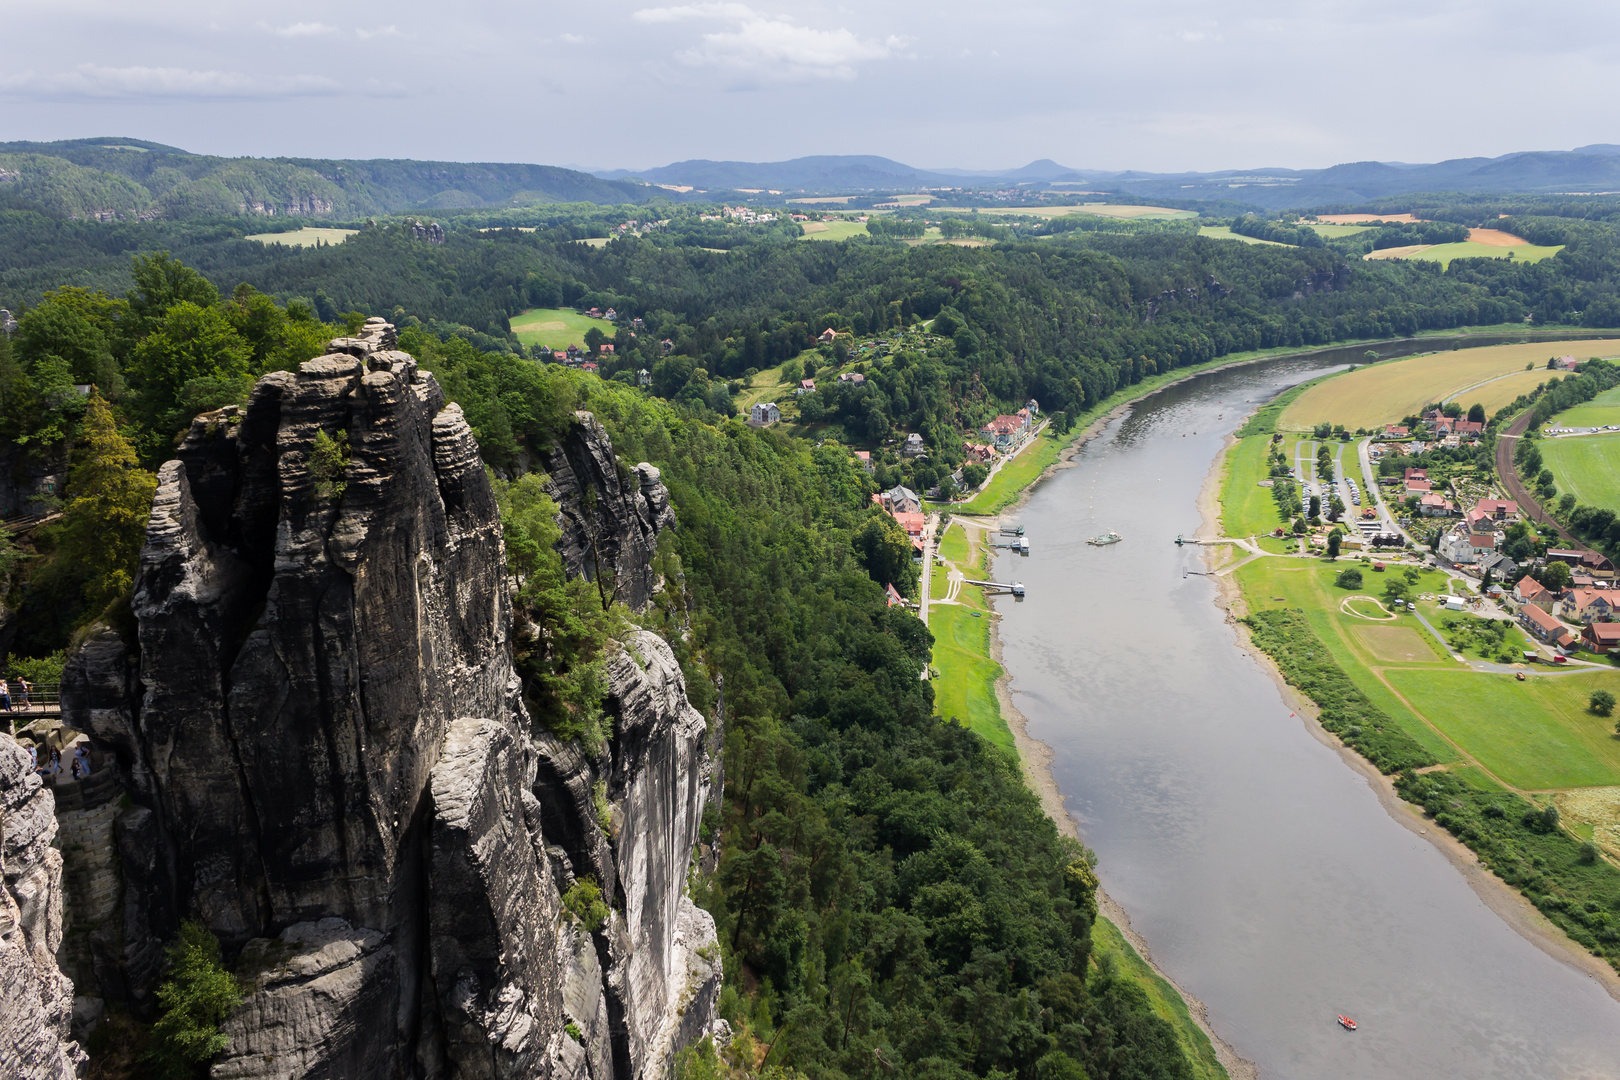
(1019, 544)
(1016, 587)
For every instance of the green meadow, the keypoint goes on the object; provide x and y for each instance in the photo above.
(1588, 466)
(1247, 509)
(555, 328)
(305, 237)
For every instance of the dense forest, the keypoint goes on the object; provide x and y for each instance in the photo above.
(890, 897)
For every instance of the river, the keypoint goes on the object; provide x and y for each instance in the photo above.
(1261, 869)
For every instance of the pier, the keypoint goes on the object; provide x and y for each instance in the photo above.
(1016, 588)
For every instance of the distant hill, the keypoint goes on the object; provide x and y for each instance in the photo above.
(1590, 168)
(123, 179)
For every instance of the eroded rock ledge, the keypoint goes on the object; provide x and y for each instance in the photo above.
(328, 760)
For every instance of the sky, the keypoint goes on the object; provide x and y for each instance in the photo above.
(1160, 85)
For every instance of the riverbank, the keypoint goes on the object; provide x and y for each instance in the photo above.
(1506, 902)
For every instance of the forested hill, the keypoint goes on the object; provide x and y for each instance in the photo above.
(113, 179)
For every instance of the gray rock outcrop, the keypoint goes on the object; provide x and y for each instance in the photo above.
(329, 763)
(36, 999)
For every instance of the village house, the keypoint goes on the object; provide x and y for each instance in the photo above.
(1468, 429)
(1417, 487)
(865, 458)
(1601, 637)
(1435, 505)
(1545, 627)
(807, 386)
(1498, 509)
(1580, 579)
(607, 348)
(1415, 474)
(1007, 432)
(899, 500)
(667, 346)
(764, 414)
(852, 377)
(912, 522)
(1033, 407)
(1464, 548)
(1588, 605)
(1589, 561)
(560, 356)
(1392, 431)
(1564, 363)
(1499, 566)
(826, 336)
(588, 366)
(977, 451)
(915, 447)
(893, 596)
(643, 377)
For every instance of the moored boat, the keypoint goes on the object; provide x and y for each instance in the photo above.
(1105, 539)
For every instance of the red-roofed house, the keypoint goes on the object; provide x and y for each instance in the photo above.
(894, 597)
(1394, 432)
(912, 523)
(1588, 605)
(1601, 637)
(1417, 487)
(807, 385)
(588, 366)
(1498, 509)
(1435, 504)
(977, 451)
(1468, 429)
(1007, 431)
(865, 458)
(1531, 591)
(1415, 474)
(1544, 626)
(826, 335)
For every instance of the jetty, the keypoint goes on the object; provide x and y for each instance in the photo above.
(1016, 587)
(1019, 544)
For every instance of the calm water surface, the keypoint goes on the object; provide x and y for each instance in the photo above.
(1261, 869)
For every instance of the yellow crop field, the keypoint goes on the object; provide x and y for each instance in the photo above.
(304, 237)
(1498, 393)
(1384, 393)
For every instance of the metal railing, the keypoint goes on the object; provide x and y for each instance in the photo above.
(42, 697)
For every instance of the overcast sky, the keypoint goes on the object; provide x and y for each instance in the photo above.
(1151, 84)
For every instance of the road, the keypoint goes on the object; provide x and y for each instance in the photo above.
(1506, 443)
(1371, 490)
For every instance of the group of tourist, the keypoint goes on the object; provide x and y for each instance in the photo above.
(23, 690)
(78, 765)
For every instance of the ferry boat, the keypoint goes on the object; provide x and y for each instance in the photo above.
(1105, 539)
(1347, 1023)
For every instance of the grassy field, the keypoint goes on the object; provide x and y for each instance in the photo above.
(1536, 735)
(1224, 232)
(1384, 393)
(1587, 467)
(1336, 232)
(1499, 393)
(555, 328)
(1247, 509)
(1106, 940)
(304, 237)
(831, 230)
(1161, 213)
(965, 690)
(1005, 487)
(1599, 412)
(1467, 249)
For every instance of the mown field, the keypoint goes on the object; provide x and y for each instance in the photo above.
(831, 230)
(1536, 735)
(1467, 249)
(1247, 509)
(305, 237)
(1384, 393)
(1498, 393)
(1599, 412)
(965, 688)
(555, 328)
(1587, 467)
(1224, 232)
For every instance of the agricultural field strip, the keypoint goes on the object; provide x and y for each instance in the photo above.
(304, 237)
(1384, 393)
(555, 328)
(1587, 754)
(1467, 249)
(1110, 210)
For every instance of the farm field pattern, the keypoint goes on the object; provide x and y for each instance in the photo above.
(1384, 393)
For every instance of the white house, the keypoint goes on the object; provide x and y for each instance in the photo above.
(915, 447)
(764, 414)
(1465, 548)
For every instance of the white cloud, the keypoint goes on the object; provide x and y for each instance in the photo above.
(771, 48)
(304, 29)
(571, 39)
(366, 33)
(96, 81)
(694, 11)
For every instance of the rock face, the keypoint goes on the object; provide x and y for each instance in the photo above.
(36, 999)
(330, 764)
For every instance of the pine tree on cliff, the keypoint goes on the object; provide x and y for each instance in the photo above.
(104, 522)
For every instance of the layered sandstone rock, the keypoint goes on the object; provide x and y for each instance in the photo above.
(329, 763)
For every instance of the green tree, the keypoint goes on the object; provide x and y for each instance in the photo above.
(1556, 576)
(192, 362)
(76, 326)
(594, 338)
(1349, 578)
(196, 996)
(1601, 702)
(885, 551)
(1476, 413)
(1333, 544)
(110, 499)
(161, 282)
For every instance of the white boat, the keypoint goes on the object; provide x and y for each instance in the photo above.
(1105, 539)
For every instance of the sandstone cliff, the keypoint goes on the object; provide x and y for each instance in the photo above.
(329, 763)
(36, 999)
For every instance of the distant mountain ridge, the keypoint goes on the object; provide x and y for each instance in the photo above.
(1587, 169)
(123, 179)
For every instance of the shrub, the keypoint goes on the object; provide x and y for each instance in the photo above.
(1348, 579)
(195, 998)
(583, 901)
(328, 462)
(1601, 702)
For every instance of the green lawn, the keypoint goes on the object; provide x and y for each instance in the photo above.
(1599, 412)
(555, 328)
(1247, 509)
(1536, 734)
(1013, 477)
(1468, 249)
(953, 546)
(965, 690)
(1224, 232)
(831, 230)
(1587, 467)
(1336, 232)
(1106, 940)
(304, 237)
